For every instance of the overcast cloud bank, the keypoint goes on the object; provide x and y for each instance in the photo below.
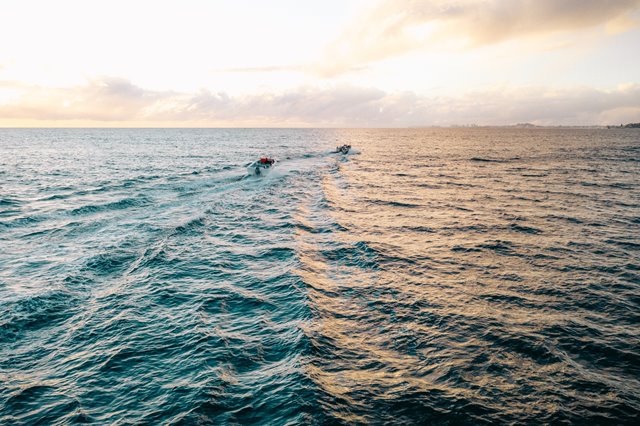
(116, 100)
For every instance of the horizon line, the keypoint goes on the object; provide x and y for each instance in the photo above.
(453, 126)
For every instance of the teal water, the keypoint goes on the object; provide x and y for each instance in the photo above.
(438, 276)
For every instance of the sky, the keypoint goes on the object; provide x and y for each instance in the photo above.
(325, 63)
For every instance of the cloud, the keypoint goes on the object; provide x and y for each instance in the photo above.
(106, 99)
(118, 102)
(395, 27)
(275, 68)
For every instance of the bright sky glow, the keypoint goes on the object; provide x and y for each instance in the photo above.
(321, 63)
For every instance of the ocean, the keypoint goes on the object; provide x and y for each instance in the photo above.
(430, 276)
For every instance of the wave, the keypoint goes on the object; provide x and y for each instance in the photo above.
(192, 227)
(525, 229)
(111, 262)
(394, 203)
(33, 312)
(9, 202)
(493, 160)
(125, 203)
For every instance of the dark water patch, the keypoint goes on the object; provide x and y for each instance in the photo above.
(192, 227)
(475, 228)
(463, 249)
(502, 247)
(239, 300)
(10, 212)
(427, 186)
(49, 188)
(633, 266)
(56, 197)
(580, 244)
(494, 160)
(530, 199)
(10, 202)
(418, 229)
(525, 229)
(596, 224)
(45, 402)
(359, 254)
(508, 299)
(126, 358)
(488, 160)
(124, 203)
(141, 178)
(629, 245)
(622, 204)
(458, 184)
(115, 261)
(78, 281)
(40, 233)
(172, 297)
(393, 203)
(78, 228)
(277, 253)
(531, 346)
(592, 351)
(22, 221)
(311, 229)
(535, 175)
(28, 396)
(34, 312)
(510, 277)
(622, 185)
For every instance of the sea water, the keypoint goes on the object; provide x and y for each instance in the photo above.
(430, 276)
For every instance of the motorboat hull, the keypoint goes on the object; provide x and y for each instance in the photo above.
(258, 168)
(344, 149)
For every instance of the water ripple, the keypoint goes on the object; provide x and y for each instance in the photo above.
(475, 276)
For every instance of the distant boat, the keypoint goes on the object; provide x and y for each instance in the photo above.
(344, 149)
(261, 166)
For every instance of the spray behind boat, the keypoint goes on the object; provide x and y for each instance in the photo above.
(263, 165)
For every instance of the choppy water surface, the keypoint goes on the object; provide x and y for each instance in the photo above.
(433, 276)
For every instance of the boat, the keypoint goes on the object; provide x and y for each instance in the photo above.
(344, 149)
(261, 166)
